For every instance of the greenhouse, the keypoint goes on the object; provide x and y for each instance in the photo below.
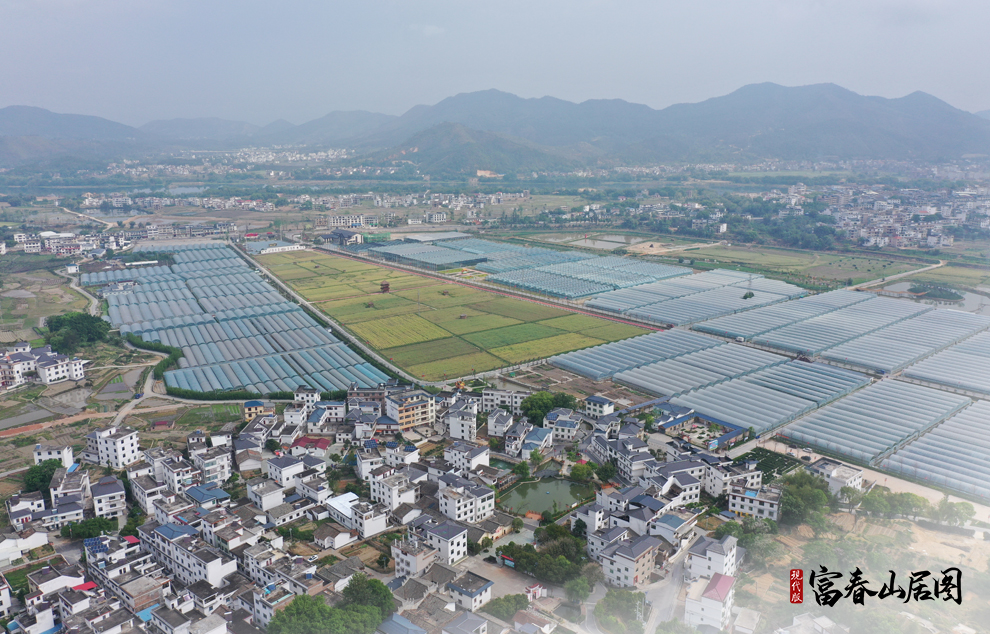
(235, 331)
(877, 420)
(762, 320)
(550, 284)
(812, 336)
(621, 301)
(705, 305)
(603, 361)
(964, 366)
(694, 370)
(425, 256)
(955, 455)
(895, 347)
(772, 397)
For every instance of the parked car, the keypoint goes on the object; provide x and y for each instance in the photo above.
(312, 558)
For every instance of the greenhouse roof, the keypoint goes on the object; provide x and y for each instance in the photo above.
(873, 422)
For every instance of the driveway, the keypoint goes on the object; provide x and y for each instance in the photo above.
(505, 580)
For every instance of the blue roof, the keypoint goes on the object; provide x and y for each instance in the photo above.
(398, 624)
(567, 424)
(201, 493)
(173, 531)
(670, 520)
(597, 399)
(73, 467)
(145, 615)
(538, 434)
(254, 404)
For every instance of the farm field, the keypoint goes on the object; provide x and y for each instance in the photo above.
(954, 276)
(434, 329)
(795, 265)
(28, 298)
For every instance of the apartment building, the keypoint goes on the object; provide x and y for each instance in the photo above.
(762, 503)
(597, 406)
(413, 556)
(108, 497)
(466, 456)
(216, 464)
(411, 408)
(511, 400)
(450, 540)
(630, 562)
(181, 551)
(53, 452)
(464, 501)
(395, 490)
(470, 591)
(113, 446)
(461, 420)
(499, 421)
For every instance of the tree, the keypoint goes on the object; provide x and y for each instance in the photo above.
(363, 590)
(383, 560)
(517, 524)
(39, 476)
(311, 615)
(729, 528)
(505, 607)
(535, 407)
(87, 328)
(93, 527)
(577, 590)
(606, 471)
(535, 457)
(580, 529)
(273, 445)
(521, 469)
(582, 472)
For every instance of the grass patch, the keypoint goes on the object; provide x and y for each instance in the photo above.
(542, 348)
(391, 332)
(512, 335)
(430, 351)
(520, 309)
(573, 323)
(456, 366)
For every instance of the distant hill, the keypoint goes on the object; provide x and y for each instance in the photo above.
(333, 128)
(760, 120)
(29, 121)
(984, 113)
(453, 148)
(206, 128)
(502, 132)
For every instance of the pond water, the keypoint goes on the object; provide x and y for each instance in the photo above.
(499, 464)
(540, 496)
(972, 302)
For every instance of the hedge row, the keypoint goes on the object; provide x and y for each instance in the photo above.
(168, 363)
(233, 395)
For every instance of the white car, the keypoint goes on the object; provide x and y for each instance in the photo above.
(312, 558)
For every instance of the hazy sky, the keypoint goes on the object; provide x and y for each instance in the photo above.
(138, 60)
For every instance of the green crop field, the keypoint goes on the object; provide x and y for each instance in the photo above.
(954, 276)
(435, 329)
(803, 266)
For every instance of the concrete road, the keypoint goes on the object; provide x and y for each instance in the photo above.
(590, 625)
(891, 278)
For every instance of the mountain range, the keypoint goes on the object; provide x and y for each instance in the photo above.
(501, 132)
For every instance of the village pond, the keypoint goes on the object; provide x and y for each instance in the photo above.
(541, 495)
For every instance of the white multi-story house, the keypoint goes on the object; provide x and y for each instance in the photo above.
(597, 406)
(462, 500)
(180, 550)
(18, 363)
(762, 503)
(411, 408)
(564, 423)
(113, 446)
(450, 540)
(466, 456)
(284, 470)
(499, 421)
(470, 591)
(413, 556)
(709, 602)
(401, 455)
(108, 497)
(265, 494)
(511, 400)
(708, 557)
(351, 513)
(53, 452)
(146, 490)
(837, 474)
(630, 562)
(395, 490)
(306, 394)
(216, 464)
(461, 420)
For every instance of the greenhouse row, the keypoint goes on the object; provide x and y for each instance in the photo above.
(550, 284)
(625, 300)
(332, 367)
(762, 320)
(775, 396)
(895, 347)
(605, 360)
(812, 336)
(142, 296)
(873, 422)
(964, 366)
(124, 314)
(140, 328)
(425, 256)
(672, 377)
(955, 454)
(705, 305)
(152, 273)
(181, 247)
